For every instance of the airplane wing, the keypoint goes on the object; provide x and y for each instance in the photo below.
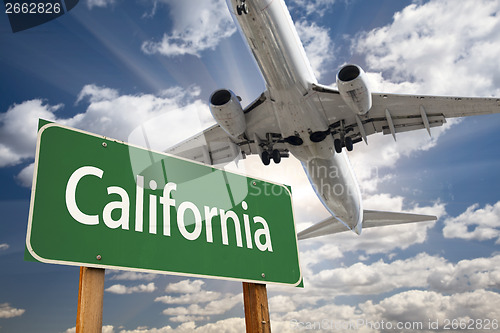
(394, 113)
(215, 146)
(371, 219)
(212, 146)
(390, 114)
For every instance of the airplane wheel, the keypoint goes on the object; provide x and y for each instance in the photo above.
(266, 158)
(338, 145)
(348, 144)
(276, 156)
(242, 9)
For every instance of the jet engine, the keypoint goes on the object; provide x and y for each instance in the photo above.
(351, 82)
(226, 109)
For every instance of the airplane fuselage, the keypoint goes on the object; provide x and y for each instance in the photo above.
(280, 55)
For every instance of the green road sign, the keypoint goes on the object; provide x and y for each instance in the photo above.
(98, 202)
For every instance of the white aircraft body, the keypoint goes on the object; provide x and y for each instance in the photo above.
(313, 122)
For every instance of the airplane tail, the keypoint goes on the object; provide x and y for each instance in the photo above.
(371, 219)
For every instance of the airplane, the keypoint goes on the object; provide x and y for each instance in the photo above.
(314, 122)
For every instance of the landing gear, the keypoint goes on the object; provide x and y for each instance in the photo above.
(338, 144)
(276, 156)
(266, 148)
(266, 156)
(348, 143)
(343, 141)
(242, 9)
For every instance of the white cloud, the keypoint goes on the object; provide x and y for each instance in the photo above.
(96, 94)
(317, 318)
(18, 128)
(376, 278)
(228, 325)
(281, 303)
(99, 3)
(108, 329)
(377, 83)
(313, 7)
(185, 286)
(187, 318)
(131, 276)
(193, 31)
(423, 271)
(475, 224)
(413, 307)
(117, 116)
(121, 289)
(25, 177)
(105, 329)
(317, 44)
(216, 307)
(141, 119)
(466, 275)
(454, 290)
(437, 46)
(201, 296)
(192, 293)
(7, 311)
(4, 246)
(424, 306)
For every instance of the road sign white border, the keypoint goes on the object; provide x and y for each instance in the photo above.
(71, 263)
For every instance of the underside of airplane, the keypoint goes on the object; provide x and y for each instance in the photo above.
(315, 123)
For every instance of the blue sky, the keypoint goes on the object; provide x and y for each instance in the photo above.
(110, 66)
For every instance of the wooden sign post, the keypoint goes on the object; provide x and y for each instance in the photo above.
(90, 297)
(256, 308)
